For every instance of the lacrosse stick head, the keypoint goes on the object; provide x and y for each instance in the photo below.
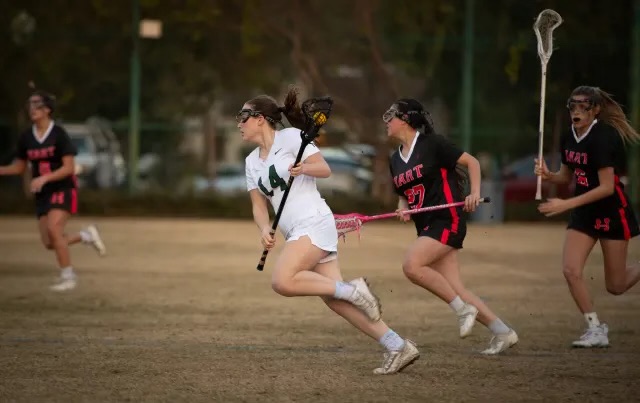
(316, 112)
(547, 21)
(346, 223)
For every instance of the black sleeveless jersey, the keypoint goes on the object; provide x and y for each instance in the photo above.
(45, 155)
(600, 147)
(428, 177)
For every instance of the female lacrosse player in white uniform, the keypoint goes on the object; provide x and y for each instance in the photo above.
(307, 265)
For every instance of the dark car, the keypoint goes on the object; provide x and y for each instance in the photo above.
(520, 183)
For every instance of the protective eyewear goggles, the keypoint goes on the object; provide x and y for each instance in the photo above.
(245, 114)
(581, 105)
(36, 104)
(391, 113)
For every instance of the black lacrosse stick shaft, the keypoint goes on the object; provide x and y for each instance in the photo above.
(307, 135)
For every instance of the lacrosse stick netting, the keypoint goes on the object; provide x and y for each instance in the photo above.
(347, 223)
(548, 20)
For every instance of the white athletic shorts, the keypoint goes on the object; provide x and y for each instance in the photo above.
(321, 229)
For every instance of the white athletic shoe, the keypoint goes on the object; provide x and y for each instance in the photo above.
(396, 361)
(64, 284)
(96, 240)
(366, 300)
(466, 319)
(501, 342)
(596, 336)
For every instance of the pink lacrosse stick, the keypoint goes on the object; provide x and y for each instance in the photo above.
(346, 223)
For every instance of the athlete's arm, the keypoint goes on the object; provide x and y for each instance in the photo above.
(473, 166)
(403, 204)
(562, 176)
(316, 166)
(606, 177)
(16, 168)
(260, 210)
(67, 169)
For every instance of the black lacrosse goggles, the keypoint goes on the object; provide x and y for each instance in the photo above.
(245, 114)
(580, 105)
(36, 104)
(394, 112)
(391, 113)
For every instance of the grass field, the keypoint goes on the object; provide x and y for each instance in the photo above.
(177, 312)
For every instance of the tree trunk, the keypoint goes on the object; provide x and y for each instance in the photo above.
(210, 133)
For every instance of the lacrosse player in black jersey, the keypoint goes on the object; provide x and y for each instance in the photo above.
(593, 153)
(50, 152)
(425, 173)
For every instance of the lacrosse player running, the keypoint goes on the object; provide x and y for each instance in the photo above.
(593, 152)
(424, 174)
(307, 265)
(48, 148)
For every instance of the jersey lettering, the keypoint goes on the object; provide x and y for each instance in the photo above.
(41, 153)
(575, 157)
(274, 180)
(415, 196)
(581, 177)
(407, 176)
(44, 167)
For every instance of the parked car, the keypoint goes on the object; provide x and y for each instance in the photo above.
(230, 180)
(520, 183)
(99, 162)
(348, 176)
(363, 153)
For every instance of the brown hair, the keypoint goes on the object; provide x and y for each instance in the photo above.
(268, 107)
(610, 112)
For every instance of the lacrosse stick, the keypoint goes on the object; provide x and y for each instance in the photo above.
(346, 223)
(316, 112)
(547, 21)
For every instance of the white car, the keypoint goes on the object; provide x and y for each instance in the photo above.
(348, 176)
(99, 163)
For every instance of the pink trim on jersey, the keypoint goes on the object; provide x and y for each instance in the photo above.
(623, 199)
(625, 224)
(74, 201)
(445, 236)
(455, 220)
(623, 214)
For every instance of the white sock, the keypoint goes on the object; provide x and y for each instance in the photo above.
(392, 341)
(85, 236)
(592, 319)
(498, 327)
(67, 273)
(457, 304)
(343, 290)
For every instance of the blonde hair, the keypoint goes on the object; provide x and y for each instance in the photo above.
(610, 112)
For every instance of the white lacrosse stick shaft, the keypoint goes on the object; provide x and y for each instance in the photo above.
(543, 93)
(547, 21)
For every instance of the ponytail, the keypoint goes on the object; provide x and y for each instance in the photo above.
(612, 114)
(292, 110)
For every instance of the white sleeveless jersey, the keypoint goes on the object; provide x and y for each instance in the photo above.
(270, 177)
